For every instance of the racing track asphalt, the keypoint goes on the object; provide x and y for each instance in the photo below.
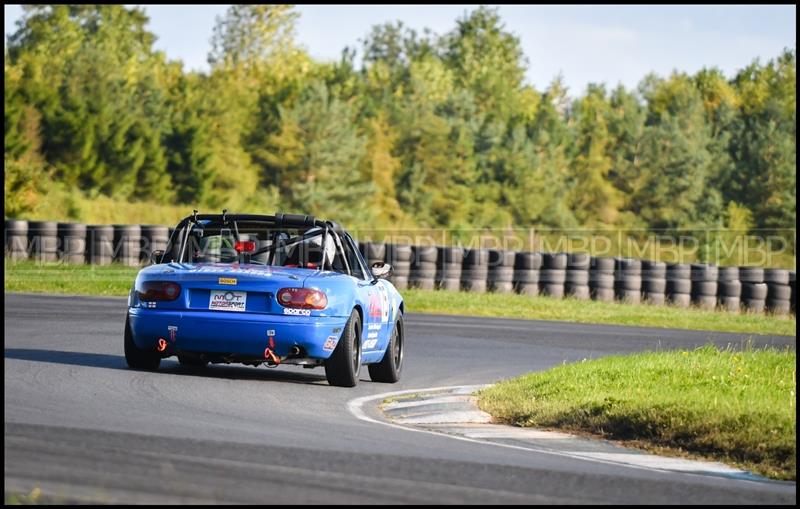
(83, 427)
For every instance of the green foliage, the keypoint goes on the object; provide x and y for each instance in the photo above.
(426, 131)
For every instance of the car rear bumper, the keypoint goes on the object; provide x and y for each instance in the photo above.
(244, 335)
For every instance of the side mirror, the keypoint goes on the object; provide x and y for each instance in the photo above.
(381, 270)
(155, 256)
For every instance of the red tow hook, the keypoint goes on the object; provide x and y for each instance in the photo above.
(270, 355)
(162, 344)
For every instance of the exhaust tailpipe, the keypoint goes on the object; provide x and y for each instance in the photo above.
(295, 350)
(162, 344)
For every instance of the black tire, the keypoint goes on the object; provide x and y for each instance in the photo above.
(729, 289)
(389, 368)
(678, 271)
(553, 290)
(654, 270)
(628, 266)
(450, 284)
(654, 299)
(502, 286)
(427, 254)
(474, 285)
(728, 274)
(679, 286)
(602, 265)
(601, 280)
(528, 261)
(529, 289)
(754, 291)
(135, 356)
(628, 283)
(654, 285)
(754, 305)
(681, 300)
(629, 296)
(553, 276)
(399, 282)
(704, 288)
(776, 276)
(501, 274)
(731, 304)
(708, 302)
(526, 276)
(603, 294)
(778, 306)
(579, 292)
(578, 261)
(751, 274)
(578, 277)
(779, 292)
(556, 261)
(703, 272)
(344, 364)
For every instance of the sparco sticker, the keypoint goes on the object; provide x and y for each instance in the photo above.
(228, 300)
(297, 312)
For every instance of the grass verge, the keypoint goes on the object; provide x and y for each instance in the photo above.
(735, 407)
(116, 280)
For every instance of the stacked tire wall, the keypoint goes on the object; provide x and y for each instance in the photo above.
(601, 278)
(527, 272)
(679, 284)
(577, 278)
(559, 275)
(704, 285)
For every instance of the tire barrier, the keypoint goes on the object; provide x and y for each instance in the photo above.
(43, 240)
(154, 238)
(577, 281)
(500, 278)
(448, 268)
(704, 285)
(554, 274)
(72, 243)
(574, 275)
(475, 270)
(127, 244)
(16, 233)
(100, 244)
(423, 267)
(601, 279)
(654, 282)
(779, 293)
(679, 284)
(399, 257)
(628, 280)
(527, 267)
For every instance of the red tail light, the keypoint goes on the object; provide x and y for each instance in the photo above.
(304, 298)
(246, 246)
(158, 290)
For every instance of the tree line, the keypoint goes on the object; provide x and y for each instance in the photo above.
(422, 130)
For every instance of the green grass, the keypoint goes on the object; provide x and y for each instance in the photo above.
(736, 407)
(116, 280)
(571, 310)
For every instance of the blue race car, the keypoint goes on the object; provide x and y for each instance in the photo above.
(259, 289)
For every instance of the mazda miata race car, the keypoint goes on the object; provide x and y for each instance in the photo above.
(260, 289)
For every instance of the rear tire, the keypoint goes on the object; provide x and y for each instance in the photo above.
(388, 369)
(344, 364)
(135, 356)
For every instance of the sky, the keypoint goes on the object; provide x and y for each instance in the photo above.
(585, 44)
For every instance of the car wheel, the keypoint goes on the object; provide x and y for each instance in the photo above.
(192, 362)
(344, 364)
(135, 356)
(388, 369)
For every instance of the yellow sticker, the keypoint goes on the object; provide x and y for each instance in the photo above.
(227, 280)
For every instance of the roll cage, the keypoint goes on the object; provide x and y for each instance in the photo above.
(278, 222)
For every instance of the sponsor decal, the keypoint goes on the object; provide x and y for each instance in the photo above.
(173, 332)
(384, 303)
(330, 343)
(228, 269)
(337, 329)
(371, 335)
(374, 326)
(228, 300)
(296, 312)
(227, 281)
(270, 332)
(150, 304)
(370, 343)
